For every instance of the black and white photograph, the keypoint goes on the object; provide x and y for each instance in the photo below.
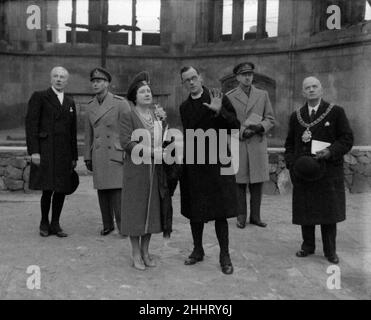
(187, 155)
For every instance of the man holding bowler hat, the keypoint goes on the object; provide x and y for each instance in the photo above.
(52, 144)
(319, 136)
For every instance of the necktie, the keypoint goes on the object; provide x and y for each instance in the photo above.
(312, 115)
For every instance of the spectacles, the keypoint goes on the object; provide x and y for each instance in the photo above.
(193, 79)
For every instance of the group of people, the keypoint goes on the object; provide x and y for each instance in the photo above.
(137, 195)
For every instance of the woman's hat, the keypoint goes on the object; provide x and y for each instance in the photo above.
(75, 181)
(141, 77)
(308, 169)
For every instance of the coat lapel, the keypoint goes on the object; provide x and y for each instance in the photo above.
(53, 99)
(66, 106)
(321, 109)
(98, 111)
(305, 113)
(138, 122)
(247, 102)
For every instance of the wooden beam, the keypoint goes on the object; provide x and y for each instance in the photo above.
(73, 20)
(237, 20)
(95, 18)
(104, 37)
(218, 20)
(134, 22)
(262, 19)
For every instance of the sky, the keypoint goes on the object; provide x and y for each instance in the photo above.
(148, 13)
(250, 16)
(120, 11)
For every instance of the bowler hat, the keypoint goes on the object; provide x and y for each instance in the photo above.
(100, 73)
(75, 181)
(306, 168)
(244, 67)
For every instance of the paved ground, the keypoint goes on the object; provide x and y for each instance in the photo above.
(88, 266)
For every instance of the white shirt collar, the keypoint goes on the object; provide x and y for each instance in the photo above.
(315, 108)
(198, 96)
(60, 95)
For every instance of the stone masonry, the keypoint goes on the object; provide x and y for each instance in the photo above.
(15, 171)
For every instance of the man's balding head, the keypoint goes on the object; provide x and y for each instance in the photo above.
(312, 89)
(58, 78)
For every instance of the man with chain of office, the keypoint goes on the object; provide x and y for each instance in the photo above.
(319, 136)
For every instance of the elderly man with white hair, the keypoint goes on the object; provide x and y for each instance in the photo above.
(52, 144)
(319, 136)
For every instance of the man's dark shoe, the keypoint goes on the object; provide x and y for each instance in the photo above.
(57, 230)
(106, 231)
(192, 260)
(44, 230)
(227, 268)
(333, 259)
(226, 263)
(195, 256)
(241, 225)
(259, 223)
(303, 253)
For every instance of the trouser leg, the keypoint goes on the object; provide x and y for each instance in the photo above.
(328, 232)
(241, 203)
(197, 229)
(221, 229)
(57, 205)
(105, 209)
(115, 200)
(45, 206)
(308, 233)
(256, 191)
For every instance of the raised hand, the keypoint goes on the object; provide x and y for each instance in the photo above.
(216, 100)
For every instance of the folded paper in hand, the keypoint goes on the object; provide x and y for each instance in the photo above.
(318, 146)
(254, 118)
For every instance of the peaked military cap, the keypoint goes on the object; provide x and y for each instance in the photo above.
(100, 73)
(141, 77)
(244, 67)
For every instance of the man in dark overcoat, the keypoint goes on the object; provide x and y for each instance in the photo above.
(52, 144)
(206, 195)
(317, 176)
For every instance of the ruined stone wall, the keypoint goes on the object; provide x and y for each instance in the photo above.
(341, 59)
(15, 170)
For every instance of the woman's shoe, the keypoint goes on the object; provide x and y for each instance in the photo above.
(138, 263)
(148, 261)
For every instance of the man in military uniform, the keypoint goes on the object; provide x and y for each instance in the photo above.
(254, 111)
(103, 152)
(318, 176)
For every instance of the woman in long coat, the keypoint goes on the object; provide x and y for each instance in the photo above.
(141, 192)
